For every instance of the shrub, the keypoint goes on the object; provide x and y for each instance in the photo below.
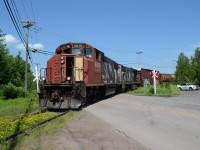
(10, 91)
(151, 90)
(165, 89)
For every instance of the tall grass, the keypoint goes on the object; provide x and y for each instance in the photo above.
(44, 131)
(15, 116)
(19, 106)
(165, 89)
(12, 112)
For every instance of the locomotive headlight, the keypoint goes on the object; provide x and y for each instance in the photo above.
(43, 78)
(62, 61)
(68, 78)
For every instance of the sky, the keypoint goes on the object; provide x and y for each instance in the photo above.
(160, 29)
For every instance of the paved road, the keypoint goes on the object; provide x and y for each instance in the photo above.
(157, 123)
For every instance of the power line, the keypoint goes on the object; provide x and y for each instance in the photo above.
(16, 13)
(14, 16)
(72, 39)
(36, 29)
(24, 9)
(32, 9)
(14, 21)
(34, 50)
(18, 18)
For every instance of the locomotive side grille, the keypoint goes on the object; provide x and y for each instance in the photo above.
(56, 71)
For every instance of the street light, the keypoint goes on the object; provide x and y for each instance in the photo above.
(138, 53)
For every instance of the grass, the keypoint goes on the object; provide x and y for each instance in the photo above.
(161, 90)
(44, 131)
(17, 107)
(15, 116)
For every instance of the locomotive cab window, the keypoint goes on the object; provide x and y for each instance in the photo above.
(67, 51)
(58, 51)
(88, 52)
(76, 51)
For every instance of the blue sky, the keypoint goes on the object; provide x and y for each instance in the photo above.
(160, 29)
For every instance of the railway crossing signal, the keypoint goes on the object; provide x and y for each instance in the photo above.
(37, 74)
(154, 76)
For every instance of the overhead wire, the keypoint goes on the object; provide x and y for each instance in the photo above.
(17, 13)
(131, 62)
(32, 10)
(24, 9)
(36, 28)
(15, 22)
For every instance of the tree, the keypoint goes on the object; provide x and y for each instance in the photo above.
(18, 68)
(195, 66)
(12, 69)
(5, 61)
(183, 69)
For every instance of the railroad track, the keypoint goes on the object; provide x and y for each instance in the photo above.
(25, 131)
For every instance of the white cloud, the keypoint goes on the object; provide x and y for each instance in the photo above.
(37, 46)
(10, 40)
(13, 42)
(20, 46)
(33, 46)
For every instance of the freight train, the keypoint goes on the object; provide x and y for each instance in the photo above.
(79, 73)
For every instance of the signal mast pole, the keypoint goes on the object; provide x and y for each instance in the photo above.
(138, 53)
(27, 26)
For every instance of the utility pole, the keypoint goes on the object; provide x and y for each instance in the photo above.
(27, 26)
(138, 53)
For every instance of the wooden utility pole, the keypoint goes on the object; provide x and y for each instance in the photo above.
(27, 26)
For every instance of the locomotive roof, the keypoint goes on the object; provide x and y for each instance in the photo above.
(75, 44)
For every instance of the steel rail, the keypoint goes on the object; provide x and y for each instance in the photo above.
(31, 127)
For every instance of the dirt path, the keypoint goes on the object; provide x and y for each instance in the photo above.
(86, 132)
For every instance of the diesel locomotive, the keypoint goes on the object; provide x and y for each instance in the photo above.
(79, 73)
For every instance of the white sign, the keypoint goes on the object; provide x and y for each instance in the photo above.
(37, 78)
(154, 76)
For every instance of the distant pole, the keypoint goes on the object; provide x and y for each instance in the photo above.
(138, 53)
(154, 83)
(27, 26)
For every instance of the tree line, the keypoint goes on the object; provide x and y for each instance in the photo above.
(12, 73)
(188, 69)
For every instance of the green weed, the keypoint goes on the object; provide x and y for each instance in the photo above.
(165, 89)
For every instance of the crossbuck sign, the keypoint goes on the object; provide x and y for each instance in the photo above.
(37, 74)
(154, 76)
